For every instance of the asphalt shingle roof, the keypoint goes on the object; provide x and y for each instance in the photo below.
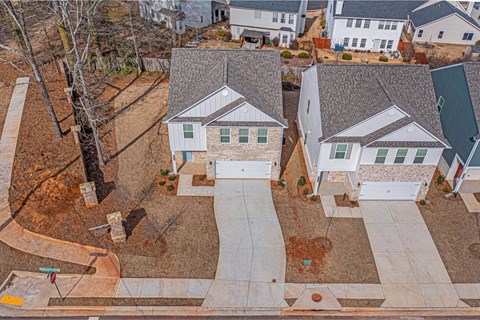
(255, 74)
(437, 11)
(291, 6)
(472, 74)
(353, 93)
(386, 9)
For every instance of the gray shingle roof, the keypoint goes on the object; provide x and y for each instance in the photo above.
(384, 9)
(437, 11)
(291, 6)
(472, 74)
(255, 74)
(353, 93)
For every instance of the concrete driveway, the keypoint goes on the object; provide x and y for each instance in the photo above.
(409, 266)
(251, 265)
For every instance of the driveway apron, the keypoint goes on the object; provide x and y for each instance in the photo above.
(251, 265)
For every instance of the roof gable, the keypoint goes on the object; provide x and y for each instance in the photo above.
(385, 9)
(437, 11)
(291, 6)
(411, 133)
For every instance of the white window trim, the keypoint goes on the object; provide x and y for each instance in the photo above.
(184, 131)
(258, 136)
(404, 157)
(422, 157)
(377, 156)
(345, 152)
(229, 136)
(440, 107)
(240, 136)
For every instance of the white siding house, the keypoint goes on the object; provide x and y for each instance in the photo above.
(352, 130)
(473, 10)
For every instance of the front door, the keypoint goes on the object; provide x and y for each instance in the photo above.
(376, 45)
(187, 156)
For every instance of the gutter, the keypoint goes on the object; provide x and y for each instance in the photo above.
(467, 164)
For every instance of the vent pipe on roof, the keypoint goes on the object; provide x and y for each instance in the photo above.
(339, 7)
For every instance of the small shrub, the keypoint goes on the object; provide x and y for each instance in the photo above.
(305, 191)
(228, 36)
(286, 54)
(172, 178)
(405, 59)
(303, 55)
(423, 202)
(222, 33)
(276, 41)
(383, 59)
(314, 198)
(381, 51)
(322, 22)
(446, 190)
(170, 188)
(440, 179)
(302, 181)
(162, 183)
(280, 183)
(347, 56)
(477, 43)
(368, 51)
(163, 172)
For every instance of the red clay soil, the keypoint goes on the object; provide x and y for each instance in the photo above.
(344, 201)
(200, 180)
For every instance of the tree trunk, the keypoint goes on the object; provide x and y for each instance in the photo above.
(139, 61)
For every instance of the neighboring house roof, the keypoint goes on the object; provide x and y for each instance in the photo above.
(436, 11)
(386, 9)
(197, 73)
(350, 94)
(252, 33)
(459, 86)
(291, 6)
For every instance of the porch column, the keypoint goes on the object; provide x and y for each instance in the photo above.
(174, 162)
(317, 183)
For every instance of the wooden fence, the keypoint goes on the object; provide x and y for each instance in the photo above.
(321, 43)
(155, 64)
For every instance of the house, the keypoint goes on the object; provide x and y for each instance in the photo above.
(225, 112)
(443, 22)
(374, 128)
(179, 14)
(254, 20)
(457, 90)
(473, 10)
(367, 25)
(472, 53)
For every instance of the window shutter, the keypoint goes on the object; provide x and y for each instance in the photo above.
(349, 151)
(332, 151)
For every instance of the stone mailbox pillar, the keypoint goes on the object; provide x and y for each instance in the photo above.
(89, 195)
(68, 92)
(76, 132)
(117, 230)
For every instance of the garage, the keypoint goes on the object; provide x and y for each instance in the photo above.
(389, 190)
(243, 169)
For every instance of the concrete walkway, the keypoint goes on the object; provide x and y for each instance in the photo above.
(470, 202)
(409, 266)
(185, 188)
(251, 265)
(106, 263)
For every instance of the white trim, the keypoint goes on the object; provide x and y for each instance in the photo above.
(466, 166)
(446, 67)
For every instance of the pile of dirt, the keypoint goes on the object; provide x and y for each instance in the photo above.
(313, 250)
(344, 201)
(200, 180)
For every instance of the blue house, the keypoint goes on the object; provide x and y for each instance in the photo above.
(457, 90)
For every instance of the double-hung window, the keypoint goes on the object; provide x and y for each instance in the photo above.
(341, 151)
(420, 33)
(282, 18)
(346, 41)
(381, 24)
(440, 103)
(401, 155)
(349, 23)
(390, 44)
(394, 25)
(243, 135)
(383, 44)
(363, 42)
(420, 156)
(366, 25)
(262, 137)
(381, 156)
(467, 36)
(440, 34)
(275, 17)
(224, 135)
(388, 24)
(188, 131)
(358, 23)
(285, 38)
(290, 19)
(354, 42)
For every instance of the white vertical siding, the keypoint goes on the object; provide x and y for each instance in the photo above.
(178, 143)
(432, 158)
(411, 132)
(212, 104)
(453, 28)
(373, 124)
(327, 164)
(246, 113)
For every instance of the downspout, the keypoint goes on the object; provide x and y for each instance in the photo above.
(319, 173)
(467, 164)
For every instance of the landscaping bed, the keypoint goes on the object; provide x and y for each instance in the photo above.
(454, 230)
(344, 201)
(200, 180)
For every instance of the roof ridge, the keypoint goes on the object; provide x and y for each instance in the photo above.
(225, 70)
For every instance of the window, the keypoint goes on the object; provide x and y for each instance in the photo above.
(238, 30)
(390, 44)
(275, 17)
(225, 135)
(440, 35)
(262, 136)
(257, 14)
(383, 44)
(354, 42)
(363, 42)
(440, 103)
(381, 24)
(201, 19)
(188, 131)
(285, 38)
(387, 25)
(467, 36)
(394, 25)
(366, 25)
(341, 151)
(242, 135)
(346, 41)
(358, 23)
(349, 23)
(420, 156)
(290, 19)
(282, 18)
(305, 138)
(381, 156)
(420, 33)
(308, 106)
(401, 154)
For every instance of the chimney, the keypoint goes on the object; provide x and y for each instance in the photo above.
(339, 7)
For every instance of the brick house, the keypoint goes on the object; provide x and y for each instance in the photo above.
(375, 128)
(225, 111)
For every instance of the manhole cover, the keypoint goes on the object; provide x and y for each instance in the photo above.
(475, 250)
(323, 243)
(316, 297)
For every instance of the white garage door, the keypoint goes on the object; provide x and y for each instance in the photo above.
(243, 169)
(389, 190)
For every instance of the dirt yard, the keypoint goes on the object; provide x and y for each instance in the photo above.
(453, 230)
(441, 54)
(340, 255)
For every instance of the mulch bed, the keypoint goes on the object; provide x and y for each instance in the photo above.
(117, 302)
(200, 180)
(344, 201)
(163, 183)
(361, 303)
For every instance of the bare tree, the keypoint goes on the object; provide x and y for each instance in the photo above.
(135, 46)
(25, 51)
